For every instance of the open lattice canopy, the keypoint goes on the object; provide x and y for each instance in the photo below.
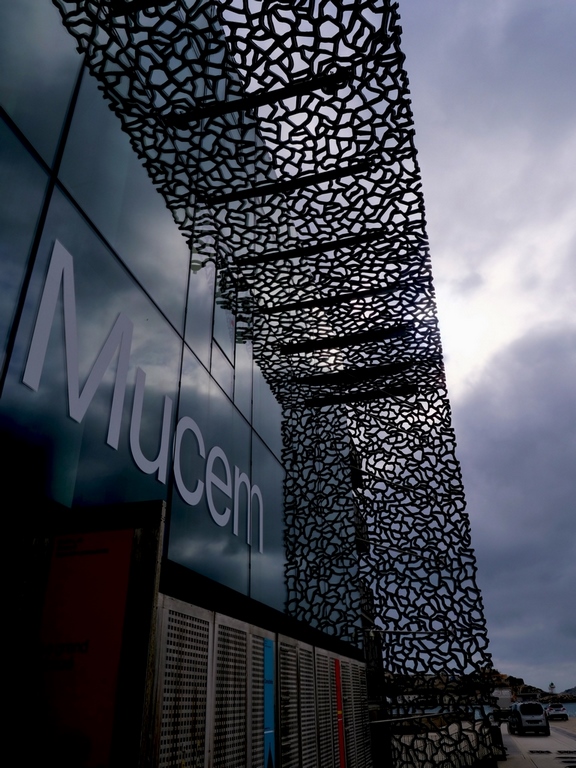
(280, 134)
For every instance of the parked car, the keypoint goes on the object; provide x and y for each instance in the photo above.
(528, 716)
(498, 716)
(556, 712)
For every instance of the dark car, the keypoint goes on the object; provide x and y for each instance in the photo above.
(556, 712)
(528, 716)
(501, 715)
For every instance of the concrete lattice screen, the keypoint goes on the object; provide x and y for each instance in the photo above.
(281, 137)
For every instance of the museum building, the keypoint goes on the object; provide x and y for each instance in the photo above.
(223, 409)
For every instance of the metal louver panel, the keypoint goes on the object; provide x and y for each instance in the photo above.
(348, 711)
(257, 703)
(262, 698)
(360, 713)
(325, 709)
(307, 699)
(289, 731)
(355, 715)
(230, 706)
(216, 697)
(185, 643)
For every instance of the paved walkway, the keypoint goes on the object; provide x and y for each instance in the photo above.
(555, 751)
(567, 725)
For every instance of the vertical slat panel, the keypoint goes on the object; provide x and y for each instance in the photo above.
(230, 710)
(325, 711)
(348, 710)
(257, 702)
(185, 644)
(334, 700)
(307, 688)
(288, 688)
(340, 737)
(262, 704)
(356, 724)
(361, 723)
(211, 694)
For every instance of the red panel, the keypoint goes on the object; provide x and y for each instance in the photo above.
(340, 716)
(81, 639)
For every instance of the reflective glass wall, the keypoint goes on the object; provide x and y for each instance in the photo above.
(123, 377)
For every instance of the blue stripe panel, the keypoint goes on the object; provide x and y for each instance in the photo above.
(269, 714)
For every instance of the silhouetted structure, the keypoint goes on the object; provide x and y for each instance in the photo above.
(278, 385)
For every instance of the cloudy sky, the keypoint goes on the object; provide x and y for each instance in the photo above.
(493, 87)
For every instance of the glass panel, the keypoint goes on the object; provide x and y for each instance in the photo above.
(224, 327)
(211, 542)
(38, 68)
(199, 314)
(243, 379)
(102, 171)
(75, 439)
(267, 568)
(267, 418)
(22, 186)
(222, 371)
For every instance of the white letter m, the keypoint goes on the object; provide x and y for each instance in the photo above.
(61, 271)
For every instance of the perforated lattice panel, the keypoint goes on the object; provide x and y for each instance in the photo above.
(257, 708)
(230, 714)
(325, 711)
(185, 685)
(289, 735)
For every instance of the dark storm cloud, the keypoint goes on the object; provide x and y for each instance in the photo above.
(493, 88)
(517, 439)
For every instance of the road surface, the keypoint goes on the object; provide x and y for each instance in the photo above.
(534, 751)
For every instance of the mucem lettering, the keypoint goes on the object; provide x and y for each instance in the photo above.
(217, 470)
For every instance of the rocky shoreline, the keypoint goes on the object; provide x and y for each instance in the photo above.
(559, 698)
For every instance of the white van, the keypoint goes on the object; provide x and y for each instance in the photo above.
(528, 716)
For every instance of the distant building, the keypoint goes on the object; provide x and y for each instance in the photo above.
(528, 693)
(503, 696)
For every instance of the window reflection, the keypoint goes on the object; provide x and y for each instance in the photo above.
(199, 311)
(22, 185)
(101, 170)
(38, 68)
(70, 459)
(267, 568)
(243, 379)
(78, 464)
(224, 324)
(197, 541)
(222, 370)
(267, 413)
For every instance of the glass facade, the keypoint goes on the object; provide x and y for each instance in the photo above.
(123, 377)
